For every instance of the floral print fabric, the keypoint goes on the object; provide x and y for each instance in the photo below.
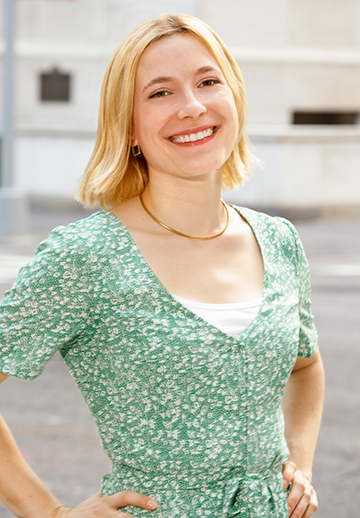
(186, 413)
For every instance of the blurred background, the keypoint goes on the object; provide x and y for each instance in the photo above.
(301, 64)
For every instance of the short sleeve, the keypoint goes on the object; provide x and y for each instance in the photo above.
(308, 337)
(46, 309)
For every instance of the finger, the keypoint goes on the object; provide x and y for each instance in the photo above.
(299, 496)
(301, 507)
(131, 498)
(306, 507)
(313, 505)
(288, 473)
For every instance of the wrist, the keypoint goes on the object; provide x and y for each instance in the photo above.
(60, 512)
(308, 475)
(306, 472)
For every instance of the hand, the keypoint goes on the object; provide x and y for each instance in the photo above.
(302, 499)
(107, 506)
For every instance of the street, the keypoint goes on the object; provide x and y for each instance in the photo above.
(55, 430)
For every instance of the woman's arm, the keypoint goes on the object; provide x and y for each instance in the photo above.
(302, 406)
(20, 489)
(26, 496)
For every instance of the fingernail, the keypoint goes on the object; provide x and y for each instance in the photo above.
(152, 503)
(285, 484)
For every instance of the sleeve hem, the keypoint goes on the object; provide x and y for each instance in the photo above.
(5, 369)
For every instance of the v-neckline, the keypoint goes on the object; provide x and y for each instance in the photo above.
(187, 312)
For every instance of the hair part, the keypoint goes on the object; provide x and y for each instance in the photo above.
(113, 174)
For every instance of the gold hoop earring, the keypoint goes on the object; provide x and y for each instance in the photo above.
(136, 151)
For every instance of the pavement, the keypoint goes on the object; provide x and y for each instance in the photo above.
(56, 432)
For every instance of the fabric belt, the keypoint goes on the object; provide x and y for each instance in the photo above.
(245, 495)
(228, 493)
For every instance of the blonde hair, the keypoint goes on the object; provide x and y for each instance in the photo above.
(113, 174)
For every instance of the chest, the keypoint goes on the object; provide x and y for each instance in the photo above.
(142, 332)
(134, 295)
(219, 272)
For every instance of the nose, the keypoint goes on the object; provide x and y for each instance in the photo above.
(190, 106)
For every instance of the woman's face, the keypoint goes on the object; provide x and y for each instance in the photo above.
(185, 119)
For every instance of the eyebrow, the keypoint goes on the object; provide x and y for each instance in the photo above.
(168, 79)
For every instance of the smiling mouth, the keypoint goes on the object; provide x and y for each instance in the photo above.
(193, 137)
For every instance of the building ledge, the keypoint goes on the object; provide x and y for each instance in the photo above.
(53, 130)
(305, 133)
(297, 56)
(288, 55)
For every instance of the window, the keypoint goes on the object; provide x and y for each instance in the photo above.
(55, 86)
(326, 118)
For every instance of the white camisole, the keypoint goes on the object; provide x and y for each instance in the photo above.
(232, 319)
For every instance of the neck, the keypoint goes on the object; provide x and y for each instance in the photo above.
(189, 206)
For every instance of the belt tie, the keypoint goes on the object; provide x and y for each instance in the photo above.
(249, 495)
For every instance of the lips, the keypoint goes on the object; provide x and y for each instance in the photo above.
(193, 136)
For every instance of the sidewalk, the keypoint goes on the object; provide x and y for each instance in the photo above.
(58, 437)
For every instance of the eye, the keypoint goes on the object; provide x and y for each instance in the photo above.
(160, 93)
(209, 82)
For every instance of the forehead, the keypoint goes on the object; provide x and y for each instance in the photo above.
(172, 56)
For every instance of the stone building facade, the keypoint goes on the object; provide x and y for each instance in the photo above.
(300, 60)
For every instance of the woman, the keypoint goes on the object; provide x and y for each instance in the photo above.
(181, 319)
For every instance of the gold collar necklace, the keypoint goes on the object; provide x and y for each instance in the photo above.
(188, 235)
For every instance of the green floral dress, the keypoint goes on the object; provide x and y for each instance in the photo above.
(186, 413)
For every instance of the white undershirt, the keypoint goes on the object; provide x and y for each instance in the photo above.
(232, 319)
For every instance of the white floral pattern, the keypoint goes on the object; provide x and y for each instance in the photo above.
(185, 412)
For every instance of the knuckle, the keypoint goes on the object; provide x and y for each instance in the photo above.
(99, 510)
(313, 506)
(289, 466)
(307, 493)
(302, 486)
(124, 495)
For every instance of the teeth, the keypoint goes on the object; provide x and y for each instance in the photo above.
(193, 137)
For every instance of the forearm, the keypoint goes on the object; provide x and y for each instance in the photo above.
(302, 406)
(20, 488)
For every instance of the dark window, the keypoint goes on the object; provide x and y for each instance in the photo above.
(55, 86)
(323, 118)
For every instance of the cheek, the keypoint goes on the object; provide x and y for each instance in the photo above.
(147, 124)
(147, 130)
(233, 111)
(225, 105)
(234, 118)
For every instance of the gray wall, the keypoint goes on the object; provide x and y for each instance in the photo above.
(294, 54)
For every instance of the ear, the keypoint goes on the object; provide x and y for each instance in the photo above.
(134, 140)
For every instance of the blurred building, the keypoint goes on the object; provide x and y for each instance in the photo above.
(300, 60)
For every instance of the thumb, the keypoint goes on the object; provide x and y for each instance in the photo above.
(289, 469)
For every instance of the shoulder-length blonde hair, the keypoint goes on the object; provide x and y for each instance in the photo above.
(113, 174)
